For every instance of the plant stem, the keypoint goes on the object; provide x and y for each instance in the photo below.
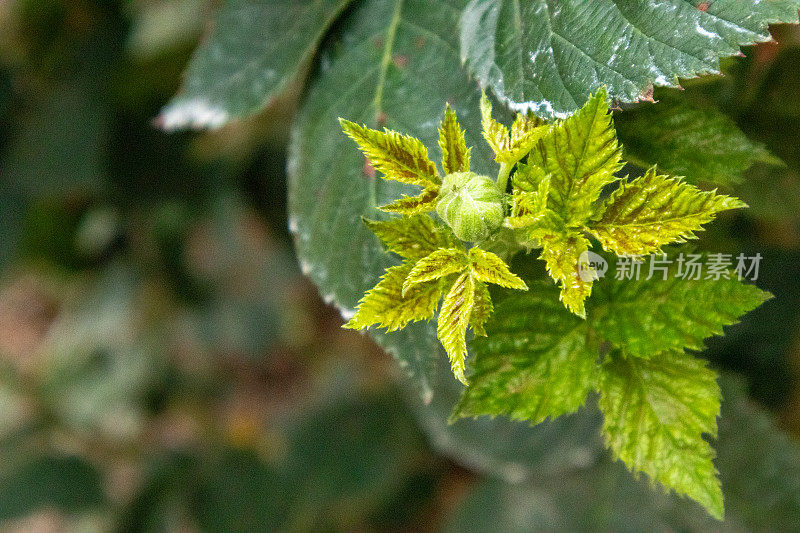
(502, 176)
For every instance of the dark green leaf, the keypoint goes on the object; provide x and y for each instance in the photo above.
(256, 48)
(396, 65)
(550, 56)
(702, 144)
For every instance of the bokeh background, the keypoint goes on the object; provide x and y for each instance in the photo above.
(164, 366)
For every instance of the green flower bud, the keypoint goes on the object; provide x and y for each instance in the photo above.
(472, 205)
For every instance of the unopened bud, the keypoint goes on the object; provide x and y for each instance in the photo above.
(472, 205)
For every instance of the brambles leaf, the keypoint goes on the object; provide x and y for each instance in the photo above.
(455, 154)
(388, 306)
(581, 154)
(534, 363)
(562, 252)
(550, 56)
(482, 311)
(438, 264)
(411, 237)
(400, 157)
(425, 202)
(686, 312)
(495, 133)
(758, 463)
(489, 268)
(255, 50)
(454, 319)
(656, 412)
(646, 213)
(702, 144)
(529, 207)
(329, 187)
(526, 130)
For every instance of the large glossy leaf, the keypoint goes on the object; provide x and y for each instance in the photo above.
(549, 56)
(395, 65)
(256, 48)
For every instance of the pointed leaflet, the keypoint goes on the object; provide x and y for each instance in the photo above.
(495, 133)
(528, 207)
(425, 202)
(254, 51)
(329, 190)
(453, 322)
(656, 412)
(411, 237)
(437, 265)
(388, 306)
(526, 130)
(647, 317)
(534, 364)
(400, 157)
(561, 252)
(510, 148)
(581, 154)
(489, 268)
(483, 309)
(550, 56)
(455, 154)
(646, 213)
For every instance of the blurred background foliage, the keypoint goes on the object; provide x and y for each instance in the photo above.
(164, 365)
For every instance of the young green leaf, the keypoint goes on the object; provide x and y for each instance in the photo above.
(581, 154)
(495, 133)
(529, 207)
(528, 178)
(412, 237)
(438, 264)
(387, 306)
(535, 362)
(483, 309)
(688, 311)
(400, 157)
(455, 154)
(646, 213)
(526, 131)
(656, 412)
(489, 268)
(454, 319)
(425, 202)
(561, 252)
